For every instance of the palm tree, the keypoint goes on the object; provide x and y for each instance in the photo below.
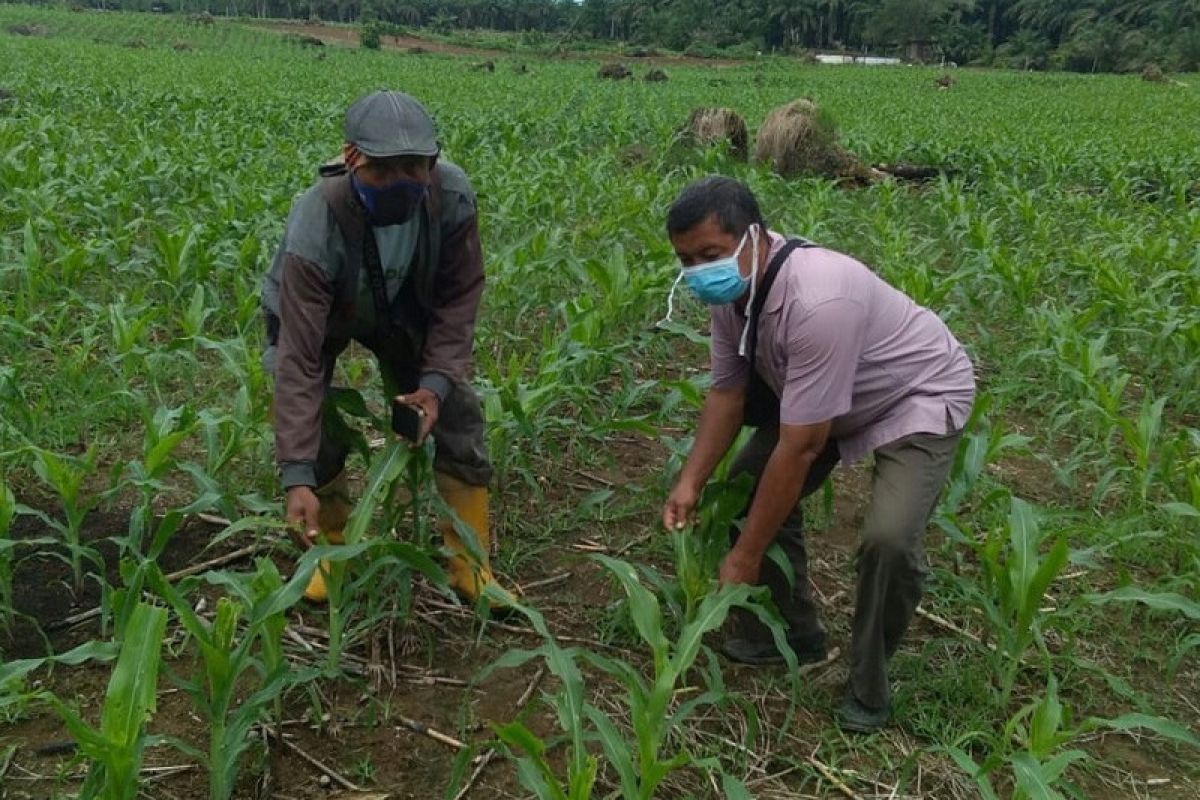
(1053, 19)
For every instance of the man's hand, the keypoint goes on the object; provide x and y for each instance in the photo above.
(428, 403)
(680, 506)
(301, 514)
(737, 567)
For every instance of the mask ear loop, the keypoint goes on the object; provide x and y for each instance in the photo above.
(662, 323)
(753, 289)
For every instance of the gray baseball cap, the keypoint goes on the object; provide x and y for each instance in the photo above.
(385, 124)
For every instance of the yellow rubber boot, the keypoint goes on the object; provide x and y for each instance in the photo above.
(331, 521)
(468, 577)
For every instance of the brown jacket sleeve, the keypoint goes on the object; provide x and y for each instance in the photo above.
(305, 299)
(457, 289)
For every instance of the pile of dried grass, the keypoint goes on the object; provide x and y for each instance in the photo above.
(709, 126)
(1153, 73)
(23, 29)
(799, 139)
(614, 72)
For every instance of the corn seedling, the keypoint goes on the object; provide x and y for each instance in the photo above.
(348, 589)
(115, 748)
(166, 430)
(66, 475)
(1015, 575)
(232, 654)
(1034, 746)
(534, 769)
(643, 766)
(984, 442)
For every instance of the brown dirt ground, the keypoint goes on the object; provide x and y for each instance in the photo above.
(348, 36)
(362, 735)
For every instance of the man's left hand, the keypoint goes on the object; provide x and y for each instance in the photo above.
(427, 402)
(737, 567)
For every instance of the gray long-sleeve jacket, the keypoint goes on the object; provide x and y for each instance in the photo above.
(317, 292)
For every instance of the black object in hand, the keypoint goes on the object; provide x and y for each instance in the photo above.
(406, 420)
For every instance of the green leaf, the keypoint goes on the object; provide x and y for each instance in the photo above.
(710, 616)
(968, 765)
(132, 689)
(733, 789)
(686, 331)
(1130, 722)
(1046, 572)
(534, 771)
(1160, 601)
(1024, 539)
(1031, 779)
(384, 471)
(1056, 766)
(1181, 509)
(643, 608)
(11, 671)
(616, 750)
(8, 508)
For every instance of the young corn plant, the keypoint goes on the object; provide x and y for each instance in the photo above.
(352, 589)
(699, 606)
(66, 475)
(642, 765)
(234, 657)
(1034, 746)
(166, 430)
(115, 748)
(534, 769)
(1014, 577)
(984, 442)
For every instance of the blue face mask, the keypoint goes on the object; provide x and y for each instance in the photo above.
(393, 204)
(718, 282)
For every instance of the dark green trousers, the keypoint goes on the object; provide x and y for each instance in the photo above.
(906, 482)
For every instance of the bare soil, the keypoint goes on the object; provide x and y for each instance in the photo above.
(358, 727)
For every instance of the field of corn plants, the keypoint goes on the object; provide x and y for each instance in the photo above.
(152, 637)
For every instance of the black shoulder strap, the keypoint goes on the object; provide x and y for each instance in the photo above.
(374, 268)
(764, 289)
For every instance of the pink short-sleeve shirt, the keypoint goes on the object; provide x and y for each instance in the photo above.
(837, 343)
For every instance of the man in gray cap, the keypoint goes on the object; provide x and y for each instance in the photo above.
(383, 250)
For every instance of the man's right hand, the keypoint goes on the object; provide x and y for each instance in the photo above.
(302, 508)
(680, 506)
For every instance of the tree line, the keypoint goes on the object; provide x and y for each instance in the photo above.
(1080, 35)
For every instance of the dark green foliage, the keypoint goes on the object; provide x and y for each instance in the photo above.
(1078, 35)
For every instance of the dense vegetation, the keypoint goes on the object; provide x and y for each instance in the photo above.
(1078, 35)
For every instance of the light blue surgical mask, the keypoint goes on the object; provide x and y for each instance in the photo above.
(720, 281)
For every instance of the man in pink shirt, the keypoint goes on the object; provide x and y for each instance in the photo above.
(843, 365)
